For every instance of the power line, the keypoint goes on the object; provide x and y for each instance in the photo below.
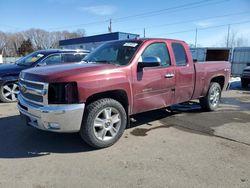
(146, 14)
(161, 10)
(205, 28)
(168, 11)
(192, 20)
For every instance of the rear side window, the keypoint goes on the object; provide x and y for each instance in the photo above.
(158, 50)
(69, 58)
(179, 54)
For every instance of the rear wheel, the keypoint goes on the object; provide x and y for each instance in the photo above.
(244, 83)
(211, 101)
(103, 123)
(8, 92)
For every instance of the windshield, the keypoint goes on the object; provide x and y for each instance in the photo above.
(117, 52)
(30, 59)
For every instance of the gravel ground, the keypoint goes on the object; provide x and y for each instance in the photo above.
(184, 147)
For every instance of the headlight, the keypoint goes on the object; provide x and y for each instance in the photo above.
(63, 93)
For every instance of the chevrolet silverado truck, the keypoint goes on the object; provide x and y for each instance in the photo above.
(97, 96)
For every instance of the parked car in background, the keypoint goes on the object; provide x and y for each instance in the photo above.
(117, 80)
(9, 73)
(245, 77)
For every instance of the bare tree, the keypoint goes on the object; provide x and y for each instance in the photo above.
(80, 32)
(3, 41)
(234, 40)
(40, 39)
(13, 42)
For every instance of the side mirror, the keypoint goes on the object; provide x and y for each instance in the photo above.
(149, 62)
(248, 64)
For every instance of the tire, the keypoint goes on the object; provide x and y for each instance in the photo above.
(8, 92)
(103, 123)
(211, 101)
(244, 83)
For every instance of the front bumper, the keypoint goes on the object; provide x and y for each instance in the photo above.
(55, 118)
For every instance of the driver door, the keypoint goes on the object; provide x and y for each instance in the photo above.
(153, 87)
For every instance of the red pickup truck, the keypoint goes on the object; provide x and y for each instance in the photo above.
(120, 78)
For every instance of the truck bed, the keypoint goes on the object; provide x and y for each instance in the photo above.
(205, 71)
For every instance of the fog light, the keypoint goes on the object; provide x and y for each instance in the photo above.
(55, 126)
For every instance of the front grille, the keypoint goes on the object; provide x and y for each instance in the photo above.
(33, 97)
(32, 85)
(34, 92)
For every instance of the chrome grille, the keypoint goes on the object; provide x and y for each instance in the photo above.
(34, 92)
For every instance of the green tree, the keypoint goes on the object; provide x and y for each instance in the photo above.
(25, 48)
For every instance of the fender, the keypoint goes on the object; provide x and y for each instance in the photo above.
(9, 78)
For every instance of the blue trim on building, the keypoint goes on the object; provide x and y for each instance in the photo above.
(98, 38)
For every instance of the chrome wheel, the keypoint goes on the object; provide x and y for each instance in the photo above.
(107, 124)
(214, 96)
(10, 91)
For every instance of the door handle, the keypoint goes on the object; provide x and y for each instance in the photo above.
(169, 75)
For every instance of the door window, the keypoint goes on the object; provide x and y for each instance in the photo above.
(158, 50)
(53, 59)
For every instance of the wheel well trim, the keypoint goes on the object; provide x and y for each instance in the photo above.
(105, 94)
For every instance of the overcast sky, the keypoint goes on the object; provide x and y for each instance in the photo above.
(160, 18)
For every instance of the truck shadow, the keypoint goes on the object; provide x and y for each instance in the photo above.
(189, 117)
(20, 141)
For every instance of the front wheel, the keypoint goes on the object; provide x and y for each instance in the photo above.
(103, 123)
(8, 92)
(211, 101)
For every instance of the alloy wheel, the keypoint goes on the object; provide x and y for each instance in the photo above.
(10, 91)
(107, 124)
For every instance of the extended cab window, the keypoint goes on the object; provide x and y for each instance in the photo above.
(53, 59)
(158, 50)
(179, 54)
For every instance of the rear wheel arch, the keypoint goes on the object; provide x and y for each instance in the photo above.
(220, 80)
(211, 101)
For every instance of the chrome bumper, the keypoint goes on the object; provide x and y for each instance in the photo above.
(55, 118)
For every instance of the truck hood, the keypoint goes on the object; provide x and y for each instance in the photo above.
(6, 69)
(65, 72)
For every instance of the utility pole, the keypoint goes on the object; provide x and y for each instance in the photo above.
(195, 42)
(144, 33)
(228, 33)
(110, 26)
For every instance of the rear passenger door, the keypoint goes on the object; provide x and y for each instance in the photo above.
(184, 72)
(153, 86)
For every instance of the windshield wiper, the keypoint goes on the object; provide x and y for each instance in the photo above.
(20, 64)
